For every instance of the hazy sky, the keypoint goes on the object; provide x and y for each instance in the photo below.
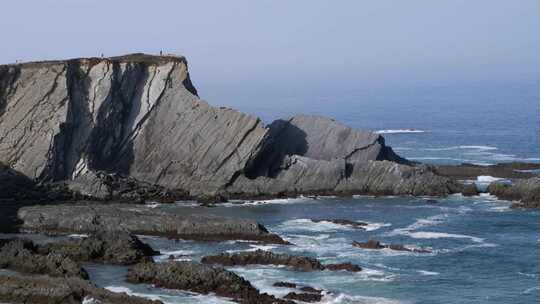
(273, 44)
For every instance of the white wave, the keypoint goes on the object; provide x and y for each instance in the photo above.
(487, 179)
(90, 300)
(78, 236)
(442, 235)
(531, 290)
(325, 226)
(278, 201)
(375, 226)
(484, 148)
(399, 131)
(253, 248)
(175, 297)
(428, 273)
(179, 255)
(349, 299)
(529, 275)
(126, 290)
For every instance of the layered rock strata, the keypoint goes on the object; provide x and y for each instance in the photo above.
(133, 127)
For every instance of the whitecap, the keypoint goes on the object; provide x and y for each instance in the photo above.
(531, 290)
(483, 148)
(78, 236)
(399, 131)
(439, 235)
(346, 299)
(427, 273)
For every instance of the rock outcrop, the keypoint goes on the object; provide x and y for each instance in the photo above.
(525, 191)
(109, 247)
(199, 278)
(261, 257)
(133, 127)
(40, 289)
(23, 256)
(374, 244)
(137, 219)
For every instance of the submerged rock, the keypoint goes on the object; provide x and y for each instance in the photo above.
(23, 256)
(196, 277)
(374, 244)
(18, 288)
(354, 224)
(261, 257)
(110, 247)
(284, 284)
(137, 219)
(470, 190)
(304, 297)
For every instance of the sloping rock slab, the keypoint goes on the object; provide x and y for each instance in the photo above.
(137, 219)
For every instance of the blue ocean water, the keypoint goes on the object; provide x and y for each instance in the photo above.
(482, 251)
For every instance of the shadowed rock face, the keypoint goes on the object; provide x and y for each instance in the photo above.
(23, 256)
(86, 121)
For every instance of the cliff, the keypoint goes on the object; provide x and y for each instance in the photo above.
(139, 116)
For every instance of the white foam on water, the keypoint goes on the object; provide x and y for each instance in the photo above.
(442, 235)
(487, 179)
(529, 275)
(78, 236)
(253, 248)
(181, 297)
(375, 226)
(484, 148)
(531, 290)
(349, 299)
(427, 273)
(277, 201)
(129, 292)
(90, 300)
(399, 131)
(180, 255)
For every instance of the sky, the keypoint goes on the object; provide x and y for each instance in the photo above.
(270, 45)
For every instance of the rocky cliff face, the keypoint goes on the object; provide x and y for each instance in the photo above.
(139, 116)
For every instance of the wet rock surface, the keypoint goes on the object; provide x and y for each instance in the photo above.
(261, 257)
(23, 256)
(304, 297)
(199, 278)
(374, 244)
(40, 289)
(110, 247)
(470, 190)
(354, 224)
(137, 219)
(526, 192)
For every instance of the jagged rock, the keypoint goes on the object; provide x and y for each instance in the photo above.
(17, 288)
(304, 297)
(310, 289)
(110, 247)
(199, 278)
(261, 257)
(525, 191)
(469, 190)
(344, 222)
(343, 266)
(284, 284)
(23, 256)
(67, 219)
(374, 244)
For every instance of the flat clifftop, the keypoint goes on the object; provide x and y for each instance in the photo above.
(129, 58)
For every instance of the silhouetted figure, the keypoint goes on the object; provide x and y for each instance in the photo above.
(160, 52)
(101, 55)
